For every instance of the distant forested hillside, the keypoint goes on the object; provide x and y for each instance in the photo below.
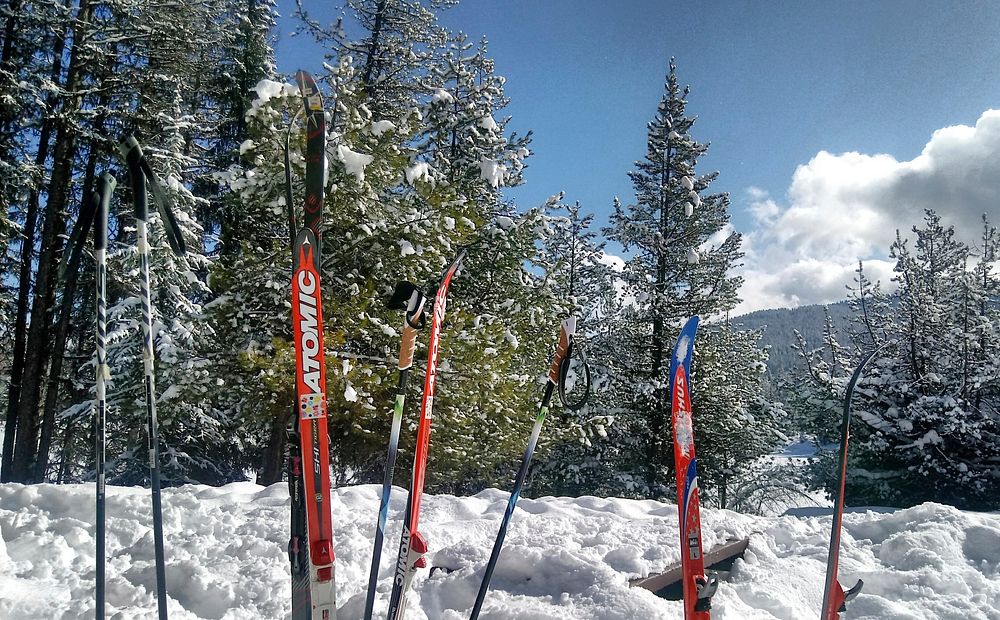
(779, 331)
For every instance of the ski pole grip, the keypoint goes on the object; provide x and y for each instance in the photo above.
(566, 331)
(105, 187)
(132, 152)
(414, 321)
(407, 346)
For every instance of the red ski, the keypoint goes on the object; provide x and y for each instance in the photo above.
(412, 545)
(310, 469)
(835, 599)
(307, 315)
(698, 586)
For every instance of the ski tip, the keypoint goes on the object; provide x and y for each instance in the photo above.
(854, 591)
(685, 341)
(305, 236)
(692, 323)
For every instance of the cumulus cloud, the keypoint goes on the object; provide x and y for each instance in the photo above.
(845, 207)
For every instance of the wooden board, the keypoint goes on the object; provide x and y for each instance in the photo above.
(725, 553)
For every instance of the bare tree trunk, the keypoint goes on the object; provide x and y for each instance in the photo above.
(21, 319)
(24, 275)
(273, 466)
(54, 383)
(66, 452)
(38, 342)
(39, 336)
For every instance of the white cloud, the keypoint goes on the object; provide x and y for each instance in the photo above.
(846, 207)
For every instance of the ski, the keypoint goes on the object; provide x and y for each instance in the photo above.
(310, 548)
(409, 298)
(106, 186)
(412, 545)
(835, 599)
(557, 377)
(698, 587)
(140, 173)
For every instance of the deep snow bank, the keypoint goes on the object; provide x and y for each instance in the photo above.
(564, 558)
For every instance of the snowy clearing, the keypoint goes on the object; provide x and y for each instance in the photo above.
(564, 557)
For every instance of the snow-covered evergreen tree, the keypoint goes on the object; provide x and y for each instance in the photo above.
(932, 427)
(171, 73)
(413, 176)
(575, 456)
(681, 250)
(925, 411)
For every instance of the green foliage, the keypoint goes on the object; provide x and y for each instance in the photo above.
(735, 424)
(682, 250)
(925, 423)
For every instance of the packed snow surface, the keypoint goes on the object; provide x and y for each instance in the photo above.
(564, 558)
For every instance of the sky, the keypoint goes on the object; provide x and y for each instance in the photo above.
(831, 124)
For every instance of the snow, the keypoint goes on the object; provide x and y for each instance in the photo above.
(682, 349)
(491, 171)
(419, 170)
(930, 437)
(354, 162)
(442, 96)
(350, 394)
(267, 89)
(489, 123)
(563, 558)
(380, 127)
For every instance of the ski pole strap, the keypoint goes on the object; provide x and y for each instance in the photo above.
(165, 207)
(140, 172)
(132, 152)
(564, 374)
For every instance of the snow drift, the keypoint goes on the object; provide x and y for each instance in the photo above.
(564, 558)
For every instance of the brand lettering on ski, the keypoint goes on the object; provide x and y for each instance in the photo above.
(404, 552)
(684, 429)
(309, 326)
(432, 362)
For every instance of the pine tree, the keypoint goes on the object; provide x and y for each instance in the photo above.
(737, 423)
(574, 455)
(925, 409)
(413, 175)
(681, 251)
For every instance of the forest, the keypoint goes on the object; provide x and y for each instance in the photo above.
(419, 151)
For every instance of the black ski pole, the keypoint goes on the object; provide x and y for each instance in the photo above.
(139, 173)
(106, 186)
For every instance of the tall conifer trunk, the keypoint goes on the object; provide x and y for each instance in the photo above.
(38, 345)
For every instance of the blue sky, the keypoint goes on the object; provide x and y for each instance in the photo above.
(774, 85)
